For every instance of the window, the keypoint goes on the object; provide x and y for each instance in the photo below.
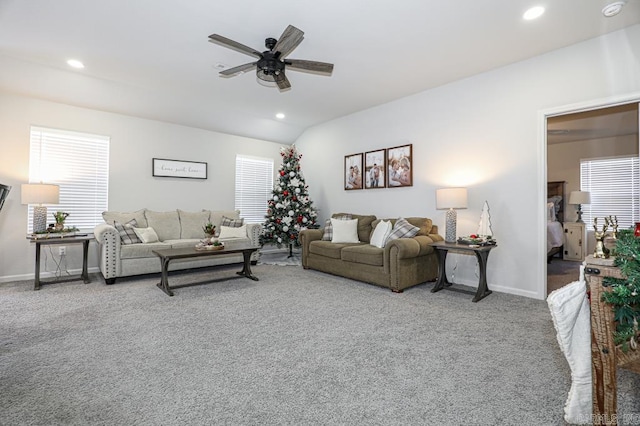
(254, 185)
(79, 164)
(614, 184)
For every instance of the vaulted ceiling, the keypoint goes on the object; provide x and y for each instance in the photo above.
(152, 58)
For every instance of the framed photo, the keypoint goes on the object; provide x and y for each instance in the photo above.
(178, 168)
(353, 171)
(400, 166)
(375, 169)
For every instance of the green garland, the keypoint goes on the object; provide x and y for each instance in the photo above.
(625, 293)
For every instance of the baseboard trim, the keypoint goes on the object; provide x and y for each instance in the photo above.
(43, 275)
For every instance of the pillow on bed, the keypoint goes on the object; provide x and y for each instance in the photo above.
(551, 212)
(556, 200)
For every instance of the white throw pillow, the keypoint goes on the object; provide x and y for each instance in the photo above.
(380, 234)
(344, 231)
(233, 232)
(146, 235)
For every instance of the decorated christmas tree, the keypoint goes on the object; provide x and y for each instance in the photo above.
(289, 210)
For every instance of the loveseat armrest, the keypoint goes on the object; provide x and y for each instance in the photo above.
(109, 243)
(306, 237)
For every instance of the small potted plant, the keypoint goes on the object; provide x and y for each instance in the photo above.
(209, 229)
(60, 217)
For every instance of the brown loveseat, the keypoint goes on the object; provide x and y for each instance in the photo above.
(402, 263)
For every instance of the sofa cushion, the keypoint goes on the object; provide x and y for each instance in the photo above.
(110, 217)
(191, 223)
(134, 251)
(215, 216)
(183, 243)
(402, 229)
(166, 224)
(231, 223)
(126, 231)
(146, 235)
(328, 228)
(364, 225)
(328, 249)
(344, 231)
(233, 231)
(364, 253)
(380, 233)
(425, 224)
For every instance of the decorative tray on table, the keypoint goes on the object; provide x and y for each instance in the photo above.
(206, 245)
(477, 240)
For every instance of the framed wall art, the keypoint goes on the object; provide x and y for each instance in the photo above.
(375, 169)
(400, 166)
(353, 171)
(178, 168)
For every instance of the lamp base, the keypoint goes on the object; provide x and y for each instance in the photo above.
(579, 214)
(451, 219)
(39, 218)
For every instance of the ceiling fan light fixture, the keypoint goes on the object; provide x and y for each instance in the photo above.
(265, 79)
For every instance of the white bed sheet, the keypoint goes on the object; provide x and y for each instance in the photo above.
(555, 235)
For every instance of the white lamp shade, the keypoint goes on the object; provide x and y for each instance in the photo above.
(451, 198)
(580, 197)
(40, 193)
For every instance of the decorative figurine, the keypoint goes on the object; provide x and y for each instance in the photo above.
(601, 252)
(611, 240)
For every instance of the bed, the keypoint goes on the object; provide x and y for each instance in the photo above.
(555, 219)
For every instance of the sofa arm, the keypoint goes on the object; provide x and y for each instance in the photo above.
(306, 236)
(253, 233)
(108, 240)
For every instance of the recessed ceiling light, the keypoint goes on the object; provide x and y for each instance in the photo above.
(75, 63)
(612, 9)
(280, 116)
(533, 13)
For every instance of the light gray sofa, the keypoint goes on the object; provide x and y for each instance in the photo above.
(175, 229)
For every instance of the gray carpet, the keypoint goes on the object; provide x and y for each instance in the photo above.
(297, 347)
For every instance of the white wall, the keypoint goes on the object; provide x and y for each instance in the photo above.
(485, 133)
(134, 142)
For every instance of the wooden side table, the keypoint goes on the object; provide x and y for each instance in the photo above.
(481, 253)
(77, 239)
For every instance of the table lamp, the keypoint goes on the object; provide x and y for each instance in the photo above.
(40, 193)
(578, 198)
(451, 198)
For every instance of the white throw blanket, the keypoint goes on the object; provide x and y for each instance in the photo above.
(571, 315)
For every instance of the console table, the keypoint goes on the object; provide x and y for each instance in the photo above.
(482, 254)
(76, 239)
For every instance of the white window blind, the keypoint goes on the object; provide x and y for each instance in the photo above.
(254, 185)
(79, 164)
(614, 184)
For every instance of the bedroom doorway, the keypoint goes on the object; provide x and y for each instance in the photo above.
(573, 138)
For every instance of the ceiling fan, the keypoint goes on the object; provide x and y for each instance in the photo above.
(272, 63)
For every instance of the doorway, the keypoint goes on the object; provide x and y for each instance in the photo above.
(573, 137)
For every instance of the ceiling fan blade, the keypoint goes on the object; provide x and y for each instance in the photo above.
(312, 66)
(238, 47)
(289, 40)
(235, 70)
(283, 82)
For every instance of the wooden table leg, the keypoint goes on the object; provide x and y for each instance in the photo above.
(483, 290)
(442, 271)
(85, 255)
(164, 281)
(36, 281)
(246, 267)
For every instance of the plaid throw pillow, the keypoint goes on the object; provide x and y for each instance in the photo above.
(402, 229)
(127, 234)
(231, 223)
(328, 228)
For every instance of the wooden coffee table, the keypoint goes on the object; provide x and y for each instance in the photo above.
(167, 255)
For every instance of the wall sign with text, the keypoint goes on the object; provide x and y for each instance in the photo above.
(180, 169)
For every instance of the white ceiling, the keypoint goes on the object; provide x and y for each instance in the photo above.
(151, 58)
